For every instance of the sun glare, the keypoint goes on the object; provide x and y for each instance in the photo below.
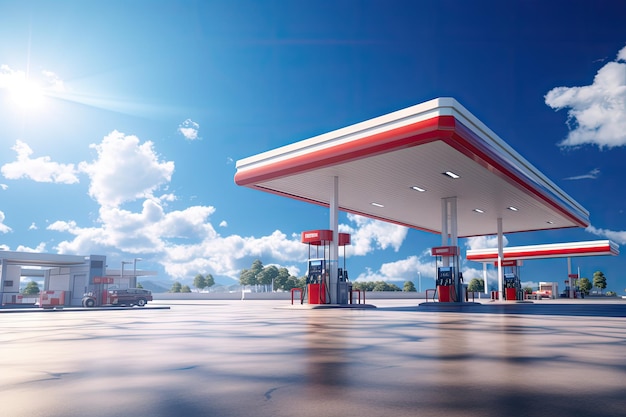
(26, 94)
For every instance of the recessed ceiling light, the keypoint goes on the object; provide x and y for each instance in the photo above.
(416, 188)
(377, 205)
(550, 222)
(513, 208)
(477, 210)
(451, 174)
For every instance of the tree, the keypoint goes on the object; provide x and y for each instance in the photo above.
(199, 282)
(301, 282)
(585, 285)
(476, 285)
(364, 285)
(599, 280)
(31, 288)
(385, 286)
(139, 285)
(267, 274)
(409, 287)
(176, 287)
(185, 288)
(249, 276)
(285, 281)
(209, 281)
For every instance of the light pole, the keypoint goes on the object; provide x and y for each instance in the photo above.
(419, 282)
(135, 266)
(135, 270)
(122, 271)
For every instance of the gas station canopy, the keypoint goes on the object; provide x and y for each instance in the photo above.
(399, 167)
(552, 250)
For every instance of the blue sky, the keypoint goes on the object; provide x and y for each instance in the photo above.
(120, 122)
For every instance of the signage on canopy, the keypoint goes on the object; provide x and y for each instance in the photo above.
(321, 237)
(102, 280)
(444, 251)
(509, 262)
(316, 237)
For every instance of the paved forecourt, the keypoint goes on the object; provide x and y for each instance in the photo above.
(238, 358)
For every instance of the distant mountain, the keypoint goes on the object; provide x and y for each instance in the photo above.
(153, 286)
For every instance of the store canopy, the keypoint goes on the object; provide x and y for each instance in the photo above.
(399, 167)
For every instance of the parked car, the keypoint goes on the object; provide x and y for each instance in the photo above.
(118, 297)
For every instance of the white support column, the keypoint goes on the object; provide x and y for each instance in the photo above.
(454, 232)
(569, 277)
(450, 237)
(334, 245)
(500, 258)
(485, 286)
(444, 227)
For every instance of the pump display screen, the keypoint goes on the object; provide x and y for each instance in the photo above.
(445, 273)
(315, 267)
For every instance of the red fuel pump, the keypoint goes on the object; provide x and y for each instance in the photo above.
(318, 279)
(512, 287)
(445, 284)
(448, 277)
(512, 284)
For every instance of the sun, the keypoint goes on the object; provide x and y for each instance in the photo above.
(26, 94)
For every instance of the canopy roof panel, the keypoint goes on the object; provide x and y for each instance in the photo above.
(393, 168)
(553, 250)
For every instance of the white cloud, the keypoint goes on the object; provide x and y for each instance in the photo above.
(125, 170)
(484, 242)
(471, 273)
(185, 242)
(414, 267)
(591, 175)
(168, 198)
(4, 187)
(408, 269)
(597, 112)
(369, 234)
(3, 227)
(41, 248)
(9, 78)
(189, 129)
(32, 226)
(617, 237)
(40, 169)
(53, 82)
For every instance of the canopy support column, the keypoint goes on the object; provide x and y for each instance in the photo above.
(450, 237)
(569, 277)
(485, 286)
(500, 258)
(334, 245)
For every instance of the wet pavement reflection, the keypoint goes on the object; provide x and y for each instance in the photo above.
(238, 358)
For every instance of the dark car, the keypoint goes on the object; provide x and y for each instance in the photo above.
(118, 297)
(130, 296)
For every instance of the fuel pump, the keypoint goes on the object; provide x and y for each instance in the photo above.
(99, 292)
(448, 278)
(318, 278)
(344, 286)
(317, 281)
(512, 284)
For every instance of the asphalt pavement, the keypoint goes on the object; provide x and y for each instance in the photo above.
(263, 358)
